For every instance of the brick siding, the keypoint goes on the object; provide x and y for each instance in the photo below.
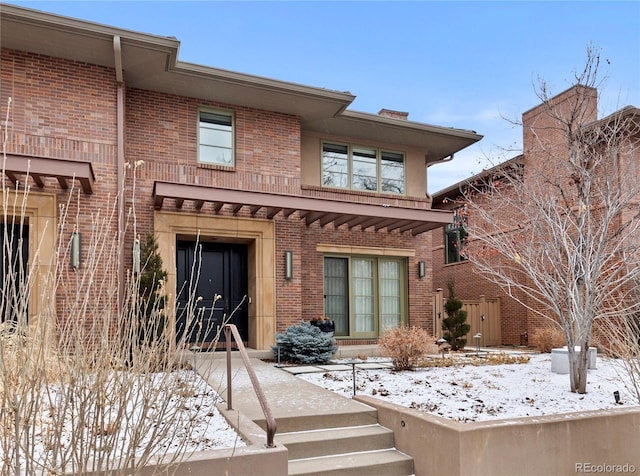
(66, 109)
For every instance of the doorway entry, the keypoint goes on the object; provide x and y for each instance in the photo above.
(13, 272)
(204, 270)
(14, 267)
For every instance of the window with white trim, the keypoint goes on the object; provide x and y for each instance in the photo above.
(362, 168)
(215, 137)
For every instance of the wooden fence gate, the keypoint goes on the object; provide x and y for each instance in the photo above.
(483, 315)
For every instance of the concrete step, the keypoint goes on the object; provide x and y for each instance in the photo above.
(333, 441)
(389, 462)
(351, 416)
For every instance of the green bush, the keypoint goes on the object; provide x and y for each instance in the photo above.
(455, 325)
(304, 344)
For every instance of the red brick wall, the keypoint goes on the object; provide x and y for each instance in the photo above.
(58, 108)
(544, 144)
(64, 109)
(267, 159)
(419, 302)
(469, 285)
(545, 149)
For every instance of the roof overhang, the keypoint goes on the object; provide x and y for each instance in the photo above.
(151, 63)
(39, 168)
(437, 142)
(311, 210)
(449, 197)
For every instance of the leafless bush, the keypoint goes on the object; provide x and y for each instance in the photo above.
(547, 337)
(623, 342)
(460, 360)
(406, 345)
(83, 386)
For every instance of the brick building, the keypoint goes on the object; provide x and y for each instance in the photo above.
(275, 191)
(544, 143)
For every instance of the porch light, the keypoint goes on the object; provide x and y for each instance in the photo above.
(136, 256)
(75, 250)
(421, 269)
(288, 264)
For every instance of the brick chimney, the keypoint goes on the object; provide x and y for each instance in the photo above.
(537, 123)
(393, 114)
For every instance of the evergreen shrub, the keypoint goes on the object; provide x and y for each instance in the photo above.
(455, 325)
(305, 344)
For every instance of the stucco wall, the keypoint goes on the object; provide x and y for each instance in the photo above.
(549, 445)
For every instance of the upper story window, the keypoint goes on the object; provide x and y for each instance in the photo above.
(215, 138)
(362, 168)
(455, 237)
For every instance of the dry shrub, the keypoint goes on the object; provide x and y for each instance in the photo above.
(406, 345)
(26, 355)
(546, 338)
(460, 361)
(438, 362)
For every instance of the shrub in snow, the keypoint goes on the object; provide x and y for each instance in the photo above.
(406, 345)
(305, 344)
(455, 325)
(548, 337)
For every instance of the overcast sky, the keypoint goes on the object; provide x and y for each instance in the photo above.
(467, 65)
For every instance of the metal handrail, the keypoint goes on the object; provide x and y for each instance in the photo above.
(230, 329)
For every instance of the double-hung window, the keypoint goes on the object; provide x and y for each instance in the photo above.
(362, 168)
(364, 295)
(215, 137)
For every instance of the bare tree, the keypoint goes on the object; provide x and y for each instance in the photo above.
(87, 386)
(558, 227)
(623, 338)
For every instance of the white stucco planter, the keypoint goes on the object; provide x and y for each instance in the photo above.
(560, 359)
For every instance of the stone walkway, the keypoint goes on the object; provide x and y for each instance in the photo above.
(384, 363)
(359, 365)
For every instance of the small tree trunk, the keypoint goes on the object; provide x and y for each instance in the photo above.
(578, 368)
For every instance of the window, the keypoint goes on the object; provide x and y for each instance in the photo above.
(362, 168)
(335, 165)
(365, 169)
(215, 138)
(363, 295)
(455, 237)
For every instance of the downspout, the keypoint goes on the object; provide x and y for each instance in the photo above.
(441, 161)
(117, 53)
(429, 164)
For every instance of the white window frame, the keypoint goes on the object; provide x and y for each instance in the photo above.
(219, 112)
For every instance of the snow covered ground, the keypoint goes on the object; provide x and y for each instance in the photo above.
(199, 425)
(468, 393)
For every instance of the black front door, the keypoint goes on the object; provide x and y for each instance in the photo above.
(204, 271)
(14, 238)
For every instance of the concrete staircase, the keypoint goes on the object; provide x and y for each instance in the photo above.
(325, 446)
(325, 433)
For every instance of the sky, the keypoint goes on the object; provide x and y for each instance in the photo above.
(470, 65)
